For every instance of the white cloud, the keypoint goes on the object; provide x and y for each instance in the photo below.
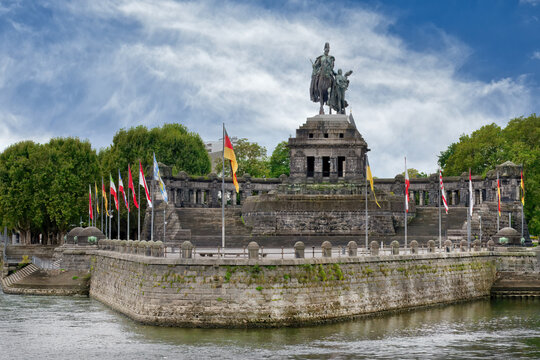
(536, 55)
(204, 63)
(530, 2)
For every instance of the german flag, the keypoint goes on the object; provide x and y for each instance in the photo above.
(228, 153)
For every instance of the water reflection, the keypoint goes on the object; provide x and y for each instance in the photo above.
(59, 327)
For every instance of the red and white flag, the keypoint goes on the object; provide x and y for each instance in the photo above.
(121, 189)
(407, 185)
(498, 194)
(113, 191)
(443, 195)
(90, 210)
(132, 187)
(142, 182)
(471, 194)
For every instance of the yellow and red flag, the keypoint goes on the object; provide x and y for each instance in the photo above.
(522, 189)
(104, 194)
(228, 153)
(498, 195)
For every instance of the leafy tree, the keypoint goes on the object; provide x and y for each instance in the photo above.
(251, 158)
(413, 173)
(17, 191)
(490, 146)
(280, 160)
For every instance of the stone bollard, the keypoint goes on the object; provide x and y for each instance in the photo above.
(490, 245)
(187, 250)
(431, 246)
(129, 245)
(160, 249)
(141, 249)
(253, 250)
(374, 248)
(326, 248)
(448, 246)
(463, 245)
(135, 247)
(395, 247)
(477, 245)
(352, 248)
(148, 249)
(123, 245)
(117, 245)
(299, 250)
(414, 247)
(101, 244)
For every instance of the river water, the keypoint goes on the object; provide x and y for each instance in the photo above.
(34, 327)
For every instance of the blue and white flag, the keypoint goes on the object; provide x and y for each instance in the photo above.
(161, 184)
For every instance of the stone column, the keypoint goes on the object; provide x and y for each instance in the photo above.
(253, 250)
(233, 198)
(421, 197)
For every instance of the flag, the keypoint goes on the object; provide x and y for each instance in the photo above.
(121, 190)
(471, 194)
(90, 212)
(142, 182)
(113, 192)
(161, 184)
(228, 153)
(132, 187)
(407, 185)
(498, 194)
(522, 189)
(97, 197)
(370, 179)
(443, 196)
(104, 194)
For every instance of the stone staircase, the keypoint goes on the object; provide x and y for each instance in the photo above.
(425, 225)
(19, 275)
(205, 226)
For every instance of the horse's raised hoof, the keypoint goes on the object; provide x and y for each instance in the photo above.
(321, 111)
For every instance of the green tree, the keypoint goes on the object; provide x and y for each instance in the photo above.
(413, 173)
(490, 146)
(251, 158)
(17, 191)
(280, 160)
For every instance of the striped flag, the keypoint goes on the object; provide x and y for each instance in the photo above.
(228, 153)
(443, 196)
(97, 197)
(369, 176)
(522, 189)
(113, 192)
(142, 182)
(104, 194)
(121, 189)
(90, 210)
(407, 185)
(132, 187)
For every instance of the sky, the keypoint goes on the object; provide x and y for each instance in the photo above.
(424, 72)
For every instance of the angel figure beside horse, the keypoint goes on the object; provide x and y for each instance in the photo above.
(328, 87)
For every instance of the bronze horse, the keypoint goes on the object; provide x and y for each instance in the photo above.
(322, 78)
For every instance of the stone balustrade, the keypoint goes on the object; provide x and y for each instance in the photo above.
(136, 247)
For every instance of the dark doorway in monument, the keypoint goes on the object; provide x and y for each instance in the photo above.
(484, 195)
(326, 166)
(340, 165)
(310, 166)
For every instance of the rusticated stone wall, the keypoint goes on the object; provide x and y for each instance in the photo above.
(276, 292)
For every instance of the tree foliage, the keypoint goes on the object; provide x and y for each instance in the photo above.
(280, 160)
(490, 146)
(413, 173)
(251, 158)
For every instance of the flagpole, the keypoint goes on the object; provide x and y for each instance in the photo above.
(498, 202)
(440, 222)
(469, 212)
(522, 200)
(406, 203)
(153, 205)
(139, 208)
(102, 205)
(164, 222)
(128, 210)
(367, 219)
(223, 199)
(90, 205)
(119, 206)
(110, 212)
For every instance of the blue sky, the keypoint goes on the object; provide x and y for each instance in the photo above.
(425, 72)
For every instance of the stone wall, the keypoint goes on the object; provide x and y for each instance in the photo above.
(272, 292)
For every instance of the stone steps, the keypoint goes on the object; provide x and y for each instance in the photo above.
(426, 222)
(19, 275)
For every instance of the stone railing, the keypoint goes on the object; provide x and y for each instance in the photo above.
(145, 248)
